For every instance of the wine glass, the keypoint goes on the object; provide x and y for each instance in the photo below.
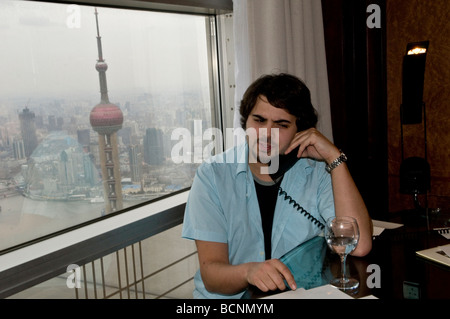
(342, 236)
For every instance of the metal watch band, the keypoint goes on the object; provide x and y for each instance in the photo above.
(338, 161)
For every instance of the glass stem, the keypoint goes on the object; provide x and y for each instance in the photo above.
(343, 268)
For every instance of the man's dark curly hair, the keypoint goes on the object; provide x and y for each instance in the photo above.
(283, 91)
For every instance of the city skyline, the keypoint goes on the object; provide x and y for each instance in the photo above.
(49, 109)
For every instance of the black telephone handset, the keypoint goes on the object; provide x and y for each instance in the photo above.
(285, 163)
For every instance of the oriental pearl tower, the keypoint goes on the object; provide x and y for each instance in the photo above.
(106, 119)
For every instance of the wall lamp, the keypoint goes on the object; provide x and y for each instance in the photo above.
(413, 80)
(414, 171)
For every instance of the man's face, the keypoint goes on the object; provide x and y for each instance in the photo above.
(274, 129)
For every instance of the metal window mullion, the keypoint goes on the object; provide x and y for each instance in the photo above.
(214, 74)
(225, 49)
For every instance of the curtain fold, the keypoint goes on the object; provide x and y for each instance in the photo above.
(275, 36)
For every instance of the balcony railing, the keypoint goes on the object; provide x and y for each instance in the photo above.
(139, 254)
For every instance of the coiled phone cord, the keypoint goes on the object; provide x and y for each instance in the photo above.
(300, 209)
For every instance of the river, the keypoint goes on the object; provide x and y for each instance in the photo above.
(23, 219)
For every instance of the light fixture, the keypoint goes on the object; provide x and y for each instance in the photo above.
(414, 171)
(417, 50)
(413, 79)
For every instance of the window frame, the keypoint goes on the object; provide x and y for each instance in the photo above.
(203, 7)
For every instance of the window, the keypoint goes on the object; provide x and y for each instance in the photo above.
(89, 100)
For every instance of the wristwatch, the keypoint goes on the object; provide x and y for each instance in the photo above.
(338, 161)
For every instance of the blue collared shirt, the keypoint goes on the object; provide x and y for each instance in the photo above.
(223, 207)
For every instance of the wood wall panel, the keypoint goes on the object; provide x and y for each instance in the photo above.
(412, 21)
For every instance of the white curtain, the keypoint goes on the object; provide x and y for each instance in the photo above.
(274, 36)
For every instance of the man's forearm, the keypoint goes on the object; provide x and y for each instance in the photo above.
(348, 202)
(224, 278)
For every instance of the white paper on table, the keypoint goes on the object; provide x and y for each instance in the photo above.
(445, 249)
(368, 297)
(437, 254)
(322, 292)
(379, 226)
(377, 231)
(444, 231)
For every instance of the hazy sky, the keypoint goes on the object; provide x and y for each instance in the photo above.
(51, 49)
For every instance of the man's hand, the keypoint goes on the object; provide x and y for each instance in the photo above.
(313, 144)
(220, 276)
(270, 275)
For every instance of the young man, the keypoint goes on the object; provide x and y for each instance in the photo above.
(234, 213)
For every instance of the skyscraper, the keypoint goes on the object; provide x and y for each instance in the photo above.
(28, 130)
(84, 138)
(153, 146)
(135, 159)
(18, 149)
(106, 119)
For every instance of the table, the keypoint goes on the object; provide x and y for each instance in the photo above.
(392, 270)
(395, 252)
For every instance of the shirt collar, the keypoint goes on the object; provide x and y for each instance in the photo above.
(241, 158)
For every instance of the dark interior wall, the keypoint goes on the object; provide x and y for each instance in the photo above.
(365, 81)
(356, 61)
